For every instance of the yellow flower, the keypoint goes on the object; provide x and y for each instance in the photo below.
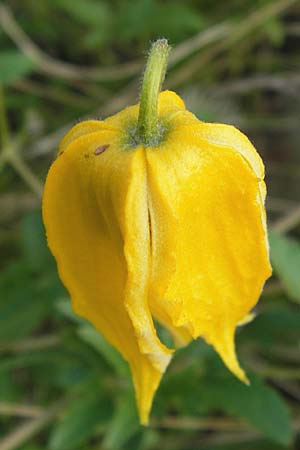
(173, 230)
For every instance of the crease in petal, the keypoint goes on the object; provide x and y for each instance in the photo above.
(135, 228)
(181, 334)
(127, 202)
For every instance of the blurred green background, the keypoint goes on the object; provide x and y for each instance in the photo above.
(62, 387)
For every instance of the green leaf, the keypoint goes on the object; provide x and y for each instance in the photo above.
(88, 334)
(14, 65)
(190, 391)
(33, 241)
(82, 417)
(285, 259)
(23, 303)
(277, 325)
(250, 444)
(124, 424)
(92, 337)
(90, 12)
(258, 403)
(38, 358)
(9, 390)
(31, 447)
(149, 18)
(275, 30)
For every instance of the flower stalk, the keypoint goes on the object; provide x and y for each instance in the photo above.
(148, 129)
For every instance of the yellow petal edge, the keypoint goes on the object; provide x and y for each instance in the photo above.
(175, 232)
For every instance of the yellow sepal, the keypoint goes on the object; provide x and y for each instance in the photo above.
(176, 232)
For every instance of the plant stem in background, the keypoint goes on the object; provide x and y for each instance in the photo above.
(4, 134)
(9, 153)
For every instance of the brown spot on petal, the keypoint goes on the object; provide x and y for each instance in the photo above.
(101, 149)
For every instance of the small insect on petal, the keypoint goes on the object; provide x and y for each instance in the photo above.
(101, 149)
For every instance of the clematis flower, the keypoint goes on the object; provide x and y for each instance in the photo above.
(159, 217)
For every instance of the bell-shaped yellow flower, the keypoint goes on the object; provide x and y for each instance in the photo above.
(174, 231)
